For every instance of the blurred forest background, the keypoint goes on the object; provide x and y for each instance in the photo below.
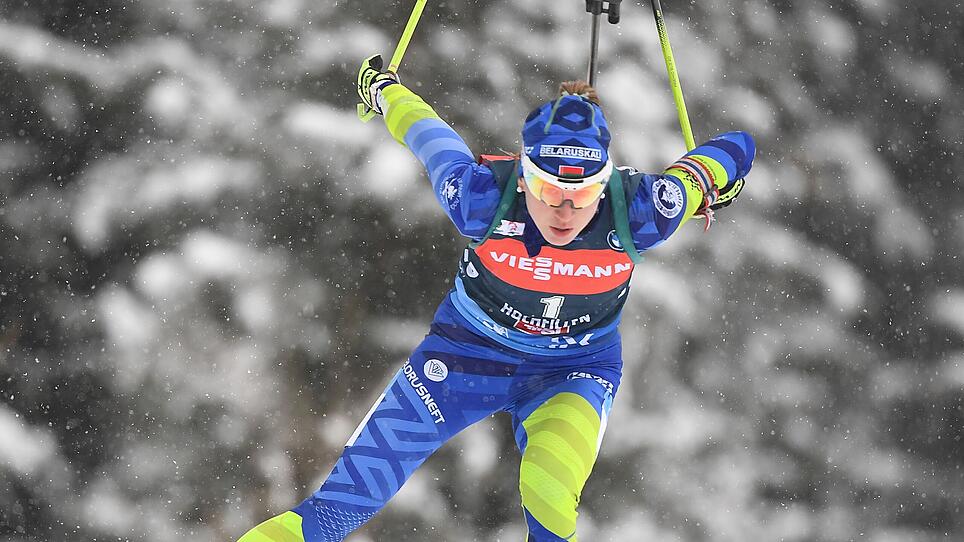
(209, 268)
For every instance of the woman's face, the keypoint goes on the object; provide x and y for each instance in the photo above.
(558, 225)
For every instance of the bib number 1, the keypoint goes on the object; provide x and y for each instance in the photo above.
(553, 306)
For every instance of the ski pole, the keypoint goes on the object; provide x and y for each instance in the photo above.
(364, 113)
(593, 47)
(596, 8)
(684, 119)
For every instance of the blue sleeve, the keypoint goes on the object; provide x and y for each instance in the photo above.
(736, 150)
(467, 191)
(657, 210)
(731, 156)
(664, 202)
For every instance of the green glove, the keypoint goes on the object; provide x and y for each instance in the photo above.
(371, 79)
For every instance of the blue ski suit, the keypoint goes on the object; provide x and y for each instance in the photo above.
(529, 329)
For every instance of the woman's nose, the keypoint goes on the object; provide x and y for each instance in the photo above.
(564, 211)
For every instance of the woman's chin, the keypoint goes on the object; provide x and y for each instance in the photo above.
(560, 236)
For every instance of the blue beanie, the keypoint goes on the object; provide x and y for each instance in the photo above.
(567, 137)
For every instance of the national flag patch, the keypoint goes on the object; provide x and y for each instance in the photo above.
(572, 171)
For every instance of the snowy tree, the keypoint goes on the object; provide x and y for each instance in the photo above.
(209, 268)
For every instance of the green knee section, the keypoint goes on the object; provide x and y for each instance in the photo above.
(281, 528)
(562, 435)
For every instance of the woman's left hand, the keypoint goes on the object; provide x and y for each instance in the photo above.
(728, 193)
(372, 79)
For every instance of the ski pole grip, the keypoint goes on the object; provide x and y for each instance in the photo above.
(610, 7)
(614, 11)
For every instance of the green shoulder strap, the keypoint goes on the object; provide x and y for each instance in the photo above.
(501, 169)
(617, 195)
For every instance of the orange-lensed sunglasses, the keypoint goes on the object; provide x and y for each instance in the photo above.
(554, 191)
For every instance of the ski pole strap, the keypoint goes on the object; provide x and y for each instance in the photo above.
(617, 198)
(502, 169)
(699, 171)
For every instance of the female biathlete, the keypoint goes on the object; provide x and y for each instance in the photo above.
(530, 326)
